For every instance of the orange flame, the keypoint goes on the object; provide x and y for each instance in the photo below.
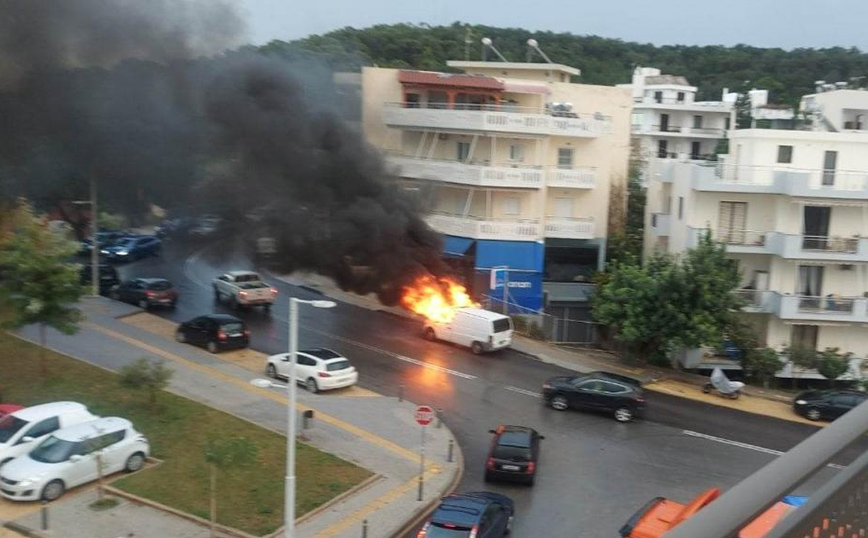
(436, 299)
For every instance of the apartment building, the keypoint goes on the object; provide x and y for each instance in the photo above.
(791, 206)
(669, 123)
(514, 164)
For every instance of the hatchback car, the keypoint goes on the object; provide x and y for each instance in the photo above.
(514, 454)
(147, 292)
(597, 391)
(66, 459)
(216, 332)
(470, 515)
(318, 369)
(8, 409)
(21, 430)
(108, 277)
(827, 404)
(132, 248)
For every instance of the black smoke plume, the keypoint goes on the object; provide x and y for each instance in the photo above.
(131, 94)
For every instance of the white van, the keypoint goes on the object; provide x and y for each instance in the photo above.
(480, 330)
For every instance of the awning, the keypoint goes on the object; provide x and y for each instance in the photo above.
(456, 246)
(517, 255)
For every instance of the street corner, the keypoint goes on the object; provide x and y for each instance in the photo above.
(152, 324)
(746, 403)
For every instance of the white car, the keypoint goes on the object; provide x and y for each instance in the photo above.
(317, 369)
(22, 430)
(68, 458)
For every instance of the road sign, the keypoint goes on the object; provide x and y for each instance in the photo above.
(424, 415)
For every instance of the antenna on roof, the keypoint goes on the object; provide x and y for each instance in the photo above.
(533, 45)
(487, 44)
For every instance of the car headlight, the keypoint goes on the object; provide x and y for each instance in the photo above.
(122, 253)
(801, 402)
(546, 386)
(103, 252)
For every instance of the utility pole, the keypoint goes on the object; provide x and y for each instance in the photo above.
(94, 251)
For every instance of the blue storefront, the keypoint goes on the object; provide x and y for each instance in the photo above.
(518, 264)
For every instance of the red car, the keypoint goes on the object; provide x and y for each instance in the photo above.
(6, 409)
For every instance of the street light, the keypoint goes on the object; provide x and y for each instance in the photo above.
(291, 388)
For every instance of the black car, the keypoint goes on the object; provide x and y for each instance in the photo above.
(597, 391)
(513, 455)
(147, 292)
(470, 515)
(217, 332)
(132, 248)
(108, 277)
(827, 404)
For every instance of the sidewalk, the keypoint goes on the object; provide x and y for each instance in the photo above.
(358, 425)
(773, 403)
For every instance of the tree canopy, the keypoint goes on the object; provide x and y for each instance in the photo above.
(786, 74)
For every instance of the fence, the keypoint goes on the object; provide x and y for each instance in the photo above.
(545, 326)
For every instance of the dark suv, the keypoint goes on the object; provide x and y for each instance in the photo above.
(827, 404)
(597, 391)
(513, 455)
(108, 277)
(470, 515)
(216, 332)
(147, 292)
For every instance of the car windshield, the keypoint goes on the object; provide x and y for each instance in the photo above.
(512, 453)
(337, 365)
(247, 278)
(502, 325)
(437, 530)
(124, 243)
(54, 450)
(232, 328)
(9, 426)
(160, 285)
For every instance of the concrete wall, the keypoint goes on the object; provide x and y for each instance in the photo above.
(759, 147)
(379, 86)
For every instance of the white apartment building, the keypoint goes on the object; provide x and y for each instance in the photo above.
(791, 206)
(515, 164)
(669, 123)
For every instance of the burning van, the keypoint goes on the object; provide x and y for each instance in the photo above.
(480, 330)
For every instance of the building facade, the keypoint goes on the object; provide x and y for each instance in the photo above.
(514, 164)
(791, 206)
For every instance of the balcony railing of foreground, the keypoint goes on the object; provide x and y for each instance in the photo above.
(803, 307)
(498, 118)
(499, 229)
(836, 507)
(570, 228)
(719, 177)
(660, 222)
(790, 246)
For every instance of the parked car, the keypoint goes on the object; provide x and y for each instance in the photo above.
(132, 248)
(108, 277)
(317, 369)
(480, 330)
(471, 515)
(243, 288)
(597, 391)
(22, 429)
(514, 454)
(8, 409)
(217, 332)
(66, 459)
(827, 404)
(147, 292)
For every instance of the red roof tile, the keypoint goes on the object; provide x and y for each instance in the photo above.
(429, 78)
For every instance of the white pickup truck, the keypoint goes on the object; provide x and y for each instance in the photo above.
(243, 288)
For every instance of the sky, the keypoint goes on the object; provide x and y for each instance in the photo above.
(766, 23)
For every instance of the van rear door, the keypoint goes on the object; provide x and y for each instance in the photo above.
(501, 331)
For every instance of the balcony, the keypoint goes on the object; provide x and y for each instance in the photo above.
(660, 222)
(675, 130)
(720, 177)
(476, 175)
(503, 230)
(572, 178)
(829, 308)
(790, 246)
(681, 104)
(497, 118)
(569, 228)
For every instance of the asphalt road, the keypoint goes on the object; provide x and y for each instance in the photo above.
(594, 472)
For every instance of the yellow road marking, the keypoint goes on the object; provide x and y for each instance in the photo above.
(213, 372)
(365, 511)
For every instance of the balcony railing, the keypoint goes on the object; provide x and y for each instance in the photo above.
(747, 238)
(676, 129)
(500, 118)
(499, 229)
(844, 245)
(827, 308)
(828, 304)
(478, 175)
(789, 246)
(666, 128)
(570, 228)
(721, 177)
(572, 178)
(712, 106)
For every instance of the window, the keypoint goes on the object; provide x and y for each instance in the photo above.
(785, 154)
(614, 388)
(337, 365)
(662, 149)
(463, 151)
(658, 97)
(680, 96)
(697, 122)
(516, 153)
(830, 160)
(804, 336)
(511, 206)
(104, 441)
(565, 157)
(44, 428)
(680, 207)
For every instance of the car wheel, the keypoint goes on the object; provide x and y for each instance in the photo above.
(476, 348)
(180, 337)
(734, 395)
(813, 413)
(311, 385)
(509, 521)
(53, 490)
(212, 347)
(143, 304)
(271, 371)
(560, 403)
(429, 334)
(623, 414)
(135, 462)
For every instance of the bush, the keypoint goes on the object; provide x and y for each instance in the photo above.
(832, 364)
(152, 376)
(762, 363)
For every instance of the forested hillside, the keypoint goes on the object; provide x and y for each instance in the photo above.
(787, 74)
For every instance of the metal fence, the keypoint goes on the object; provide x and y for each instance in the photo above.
(543, 325)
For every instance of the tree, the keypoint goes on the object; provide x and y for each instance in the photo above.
(763, 363)
(224, 454)
(38, 286)
(803, 358)
(832, 364)
(150, 375)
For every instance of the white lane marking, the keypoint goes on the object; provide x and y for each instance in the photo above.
(744, 445)
(188, 265)
(530, 393)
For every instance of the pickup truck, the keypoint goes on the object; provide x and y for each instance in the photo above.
(243, 288)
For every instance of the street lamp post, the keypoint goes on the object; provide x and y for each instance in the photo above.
(291, 388)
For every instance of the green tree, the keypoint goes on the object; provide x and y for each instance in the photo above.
(762, 363)
(112, 221)
(832, 364)
(803, 358)
(150, 375)
(38, 286)
(224, 454)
